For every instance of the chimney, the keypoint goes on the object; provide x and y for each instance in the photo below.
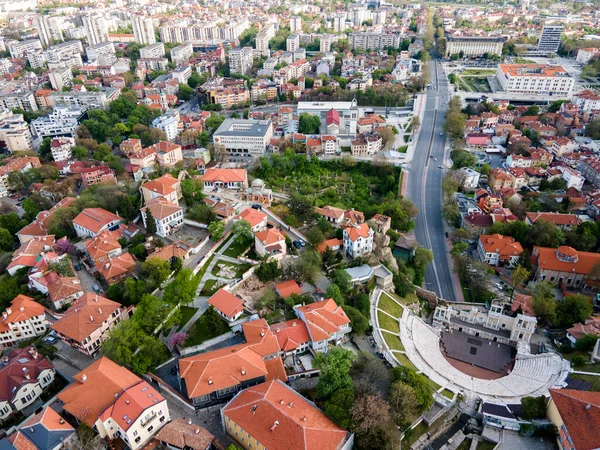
(83, 378)
(127, 402)
(21, 309)
(254, 408)
(27, 376)
(290, 404)
(304, 419)
(281, 402)
(189, 421)
(243, 371)
(275, 425)
(91, 318)
(61, 421)
(100, 310)
(262, 333)
(197, 431)
(8, 311)
(210, 381)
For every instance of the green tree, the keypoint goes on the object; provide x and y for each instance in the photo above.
(519, 276)
(242, 231)
(216, 230)
(418, 382)
(194, 81)
(9, 289)
(202, 213)
(586, 343)
(338, 406)
(574, 309)
(268, 271)
(544, 302)
(183, 288)
(191, 189)
(307, 266)
(315, 236)
(359, 323)
(150, 223)
(533, 407)
(6, 239)
(335, 370)
(309, 124)
(139, 251)
(342, 279)
(151, 312)
(156, 270)
(333, 291)
(185, 92)
(372, 424)
(403, 403)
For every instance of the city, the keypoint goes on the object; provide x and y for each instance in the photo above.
(322, 225)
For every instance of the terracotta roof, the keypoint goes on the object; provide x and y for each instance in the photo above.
(226, 303)
(64, 287)
(252, 216)
(332, 117)
(45, 430)
(224, 175)
(525, 302)
(280, 418)
(180, 434)
(505, 246)
(358, 231)
(94, 219)
(227, 367)
(28, 253)
(86, 315)
(21, 362)
(100, 386)
(115, 267)
(291, 334)
(39, 226)
(103, 244)
(565, 259)
(177, 249)
(555, 218)
(17, 164)
(22, 308)
(329, 243)
(161, 208)
(323, 318)
(269, 237)
(331, 212)
(158, 187)
(580, 412)
(288, 288)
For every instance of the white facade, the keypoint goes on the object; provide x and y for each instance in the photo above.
(14, 131)
(90, 100)
(156, 50)
(25, 101)
(534, 79)
(358, 245)
(143, 30)
(19, 49)
(62, 121)
(262, 39)
(373, 41)
(292, 42)
(60, 78)
(550, 38)
(474, 45)
(62, 148)
(239, 136)
(470, 177)
(167, 225)
(168, 123)
(182, 74)
(103, 53)
(24, 329)
(241, 59)
(296, 24)
(182, 53)
(49, 29)
(96, 29)
(585, 55)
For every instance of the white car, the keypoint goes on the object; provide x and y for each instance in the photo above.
(499, 286)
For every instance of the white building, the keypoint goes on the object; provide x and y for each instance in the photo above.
(326, 322)
(102, 53)
(25, 101)
(168, 217)
(292, 42)
(88, 99)
(373, 41)
(156, 50)
(14, 131)
(96, 29)
(247, 137)
(585, 55)
(182, 74)
(470, 178)
(358, 240)
(549, 41)
(497, 250)
(169, 123)
(23, 319)
(338, 22)
(60, 78)
(262, 39)
(474, 45)
(296, 24)
(19, 49)
(49, 29)
(535, 79)
(241, 59)
(182, 53)
(62, 148)
(62, 121)
(143, 29)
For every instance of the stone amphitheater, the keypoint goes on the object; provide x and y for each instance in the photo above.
(532, 375)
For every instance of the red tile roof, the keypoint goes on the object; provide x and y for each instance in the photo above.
(323, 318)
(288, 288)
(555, 218)
(270, 236)
(224, 175)
(94, 219)
(226, 303)
(180, 434)
(358, 231)
(12, 373)
(22, 308)
(280, 418)
(565, 259)
(291, 334)
(252, 216)
(580, 412)
(505, 246)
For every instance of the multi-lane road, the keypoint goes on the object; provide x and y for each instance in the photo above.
(424, 186)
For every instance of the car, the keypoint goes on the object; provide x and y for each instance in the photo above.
(50, 339)
(77, 267)
(441, 166)
(21, 199)
(257, 206)
(302, 243)
(96, 288)
(441, 134)
(297, 244)
(499, 286)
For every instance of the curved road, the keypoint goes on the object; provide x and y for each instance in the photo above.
(424, 186)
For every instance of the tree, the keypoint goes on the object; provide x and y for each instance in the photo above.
(309, 124)
(202, 213)
(403, 403)
(421, 259)
(338, 406)
(156, 270)
(242, 231)
(139, 251)
(363, 304)
(191, 189)
(544, 302)
(335, 370)
(301, 207)
(369, 374)
(574, 309)
(6, 239)
(60, 223)
(9, 289)
(586, 343)
(194, 81)
(333, 291)
(214, 322)
(418, 382)
(593, 129)
(359, 323)
(150, 223)
(387, 137)
(268, 271)
(368, 413)
(462, 158)
(214, 122)
(183, 288)
(307, 266)
(151, 312)
(315, 236)
(519, 276)
(216, 230)
(533, 407)
(185, 92)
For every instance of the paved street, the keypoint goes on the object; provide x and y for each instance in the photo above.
(424, 186)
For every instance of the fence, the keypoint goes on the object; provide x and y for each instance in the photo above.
(193, 223)
(198, 348)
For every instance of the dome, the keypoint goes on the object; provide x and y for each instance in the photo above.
(258, 183)
(567, 254)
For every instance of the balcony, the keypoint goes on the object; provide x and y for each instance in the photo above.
(146, 420)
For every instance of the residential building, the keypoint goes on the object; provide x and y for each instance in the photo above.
(23, 100)
(256, 219)
(116, 269)
(101, 54)
(227, 305)
(167, 187)
(585, 55)
(22, 164)
(366, 145)
(358, 240)
(20, 49)
(535, 79)
(168, 154)
(28, 253)
(497, 250)
(169, 123)
(474, 45)
(182, 53)
(563, 221)
(60, 77)
(45, 430)
(130, 146)
(491, 324)
(24, 375)
(61, 148)
(271, 243)
(574, 413)
(39, 227)
(96, 29)
(168, 217)
(62, 121)
(271, 415)
(241, 59)
(23, 319)
(469, 178)
(590, 169)
(215, 178)
(14, 131)
(143, 29)
(296, 24)
(156, 50)
(292, 42)
(215, 376)
(563, 265)
(182, 434)
(87, 99)
(373, 41)
(153, 64)
(144, 158)
(97, 174)
(49, 29)
(92, 221)
(88, 322)
(123, 405)
(340, 217)
(326, 322)
(549, 41)
(263, 37)
(103, 246)
(244, 137)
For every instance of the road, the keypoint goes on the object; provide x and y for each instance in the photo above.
(424, 186)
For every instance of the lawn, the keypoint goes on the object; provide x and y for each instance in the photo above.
(187, 312)
(387, 304)
(402, 149)
(210, 287)
(387, 323)
(485, 445)
(414, 434)
(477, 72)
(403, 360)
(408, 300)
(448, 394)
(465, 445)
(237, 248)
(522, 61)
(239, 268)
(200, 332)
(393, 342)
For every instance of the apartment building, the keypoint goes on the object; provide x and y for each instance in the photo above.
(549, 41)
(24, 375)
(241, 59)
(22, 165)
(96, 28)
(497, 250)
(167, 187)
(590, 169)
(358, 240)
(61, 148)
(474, 45)
(292, 42)
(21, 100)
(88, 322)
(366, 145)
(23, 319)
(373, 41)
(244, 137)
(535, 79)
(92, 221)
(326, 322)
(60, 78)
(156, 50)
(169, 123)
(20, 49)
(122, 406)
(263, 37)
(97, 174)
(296, 24)
(49, 29)
(153, 63)
(62, 121)
(102, 53)
(65, 54)
(168, 217)
(14, 131)
(182, 31)
(585, 55)
(167, 153)
(143, 29)
(182, 53)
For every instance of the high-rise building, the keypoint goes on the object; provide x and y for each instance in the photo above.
(241, 59)
(95, 28)
(263, 37)
(295, 24)
(325, 43)
(143, 30)
(550, 38)
(339, 22)
(292, 42)
(49, 29)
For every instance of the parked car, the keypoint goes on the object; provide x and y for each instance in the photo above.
(97, 288)
(257, 206)
(50, 339)
(302, 243)
(297, 244)
(77, 267)
(499, 286)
